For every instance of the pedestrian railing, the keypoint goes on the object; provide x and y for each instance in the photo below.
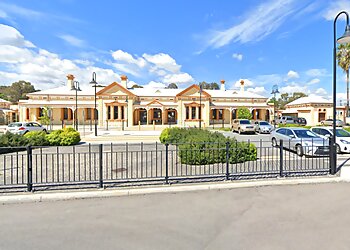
(102, 165)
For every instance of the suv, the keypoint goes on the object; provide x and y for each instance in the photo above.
(286, 120)
(300, 121)
(242, 125)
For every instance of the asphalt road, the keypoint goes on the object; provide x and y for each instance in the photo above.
(276, 217)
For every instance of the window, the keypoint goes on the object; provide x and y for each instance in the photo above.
(193, 115)
(115, 112)
(108, 112)
(65, 114)
(187, 113)
(217, 114)
(27, 114)
(200, 113)
(122, 113)
(88, 114)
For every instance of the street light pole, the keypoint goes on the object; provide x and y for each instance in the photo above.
(274, 92)
(127, 111)
(343, 39)
(200, 106)
(77, 88)
(94, 83)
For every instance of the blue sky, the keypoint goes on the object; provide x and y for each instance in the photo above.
(156, 42)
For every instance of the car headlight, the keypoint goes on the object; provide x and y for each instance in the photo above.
(344, 141)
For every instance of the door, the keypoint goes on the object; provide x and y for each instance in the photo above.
(321, 116)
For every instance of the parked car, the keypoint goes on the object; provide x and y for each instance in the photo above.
(329, 122)
(24, 127)
(300, 140)
(286, 120)
(263, 127)
(342, 137)
(242, 126)
(300, 120)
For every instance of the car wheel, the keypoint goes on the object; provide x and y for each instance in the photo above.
(338, 149)
(322, 123)
(299, 150)
(274, 142)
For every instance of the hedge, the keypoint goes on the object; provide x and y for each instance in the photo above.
(200, 147)
(61, 137)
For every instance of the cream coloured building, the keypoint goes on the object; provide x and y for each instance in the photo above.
(314, 109)
(122, 107)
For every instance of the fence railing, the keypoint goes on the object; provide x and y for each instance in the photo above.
(127, 164)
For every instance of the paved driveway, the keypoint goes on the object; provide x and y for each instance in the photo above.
(276, 217)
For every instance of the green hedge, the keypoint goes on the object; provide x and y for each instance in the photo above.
(61, 137)
(200, 147)
(293, 125)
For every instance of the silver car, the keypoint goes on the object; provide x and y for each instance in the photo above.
(329, 122)
(263, 127)
(242, 126)
(301, 140)
(342, 137)
(24, 127)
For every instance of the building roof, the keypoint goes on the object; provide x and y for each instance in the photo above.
(155, 92)
(309, 100)
(2, 100)
(232, 93)
(66, 91)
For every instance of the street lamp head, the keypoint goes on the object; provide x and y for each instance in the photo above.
(274, 89)
(76, 86)
(93, 81)
(345, 38)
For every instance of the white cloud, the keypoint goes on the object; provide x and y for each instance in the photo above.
(72, 40)
(180, 78)
(293, 87)
(126, 58)
(292, 74)
(259, 23)
(316, 72)
(258, 90)
(247, 83)
(156, 85)
(163, 61)
(313, 81)
(237, 56)
(334, 7)
(321, 92)
(11, 36)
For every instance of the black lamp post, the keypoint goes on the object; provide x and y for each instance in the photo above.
(77, 88)
(274, 92)
(94, 83)
(200, 106)
(345, 38)
(127, 111)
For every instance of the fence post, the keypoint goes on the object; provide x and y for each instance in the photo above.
(29, 169)
(227, 160)
(100, 152)
(281, 158)
(167, 163)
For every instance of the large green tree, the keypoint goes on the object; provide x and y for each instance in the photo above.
(212, 85)
(343, 57)
(286, 98)
(172, 86)
(17, 91)
(244, 113)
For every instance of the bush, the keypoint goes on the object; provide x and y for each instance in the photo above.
(244, 113)
(201, 147)
(64, 137)
(13, 140)
(293, 125)
(37, 138)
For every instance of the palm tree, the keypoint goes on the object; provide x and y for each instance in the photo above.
(343, 57)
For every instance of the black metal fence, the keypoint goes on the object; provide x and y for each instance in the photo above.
(34, 168)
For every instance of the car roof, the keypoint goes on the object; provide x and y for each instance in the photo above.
(295, 128)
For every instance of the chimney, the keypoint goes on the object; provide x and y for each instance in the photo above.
(222, 85)
(124, 81)
(242, 86)
(70, 81)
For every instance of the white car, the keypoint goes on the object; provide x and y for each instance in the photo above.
(342, 139)
(24, 127)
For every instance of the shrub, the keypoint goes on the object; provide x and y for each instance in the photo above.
(293, 125)
(37, 138)
(201, 147)
(64, 137)
(244, 113)
(13, 140)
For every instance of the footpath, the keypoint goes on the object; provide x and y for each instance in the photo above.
(110, 136)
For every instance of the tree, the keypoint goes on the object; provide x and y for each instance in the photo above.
(17, 91)
(286, 98)
(343, 57)
(244, 113)
(172, 86)
(136, 86)
(45, 118)
(206, 85)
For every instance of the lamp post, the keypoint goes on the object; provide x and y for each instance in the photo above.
(77, 88)
(200, 106)
(274, 92)
(345, 38)
(94, 83)
(127, 112)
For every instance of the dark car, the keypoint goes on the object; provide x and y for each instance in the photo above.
(300, 121)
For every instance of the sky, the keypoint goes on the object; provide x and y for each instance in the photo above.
(157, 42)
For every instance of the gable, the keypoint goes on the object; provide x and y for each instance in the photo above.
(114, 89)
(193, 91)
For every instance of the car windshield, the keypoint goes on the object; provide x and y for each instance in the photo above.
(264, 123)
(244, 122)
(305, 134)
(15, 125)
(341, 133)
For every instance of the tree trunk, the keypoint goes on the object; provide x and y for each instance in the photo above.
(347, 93)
